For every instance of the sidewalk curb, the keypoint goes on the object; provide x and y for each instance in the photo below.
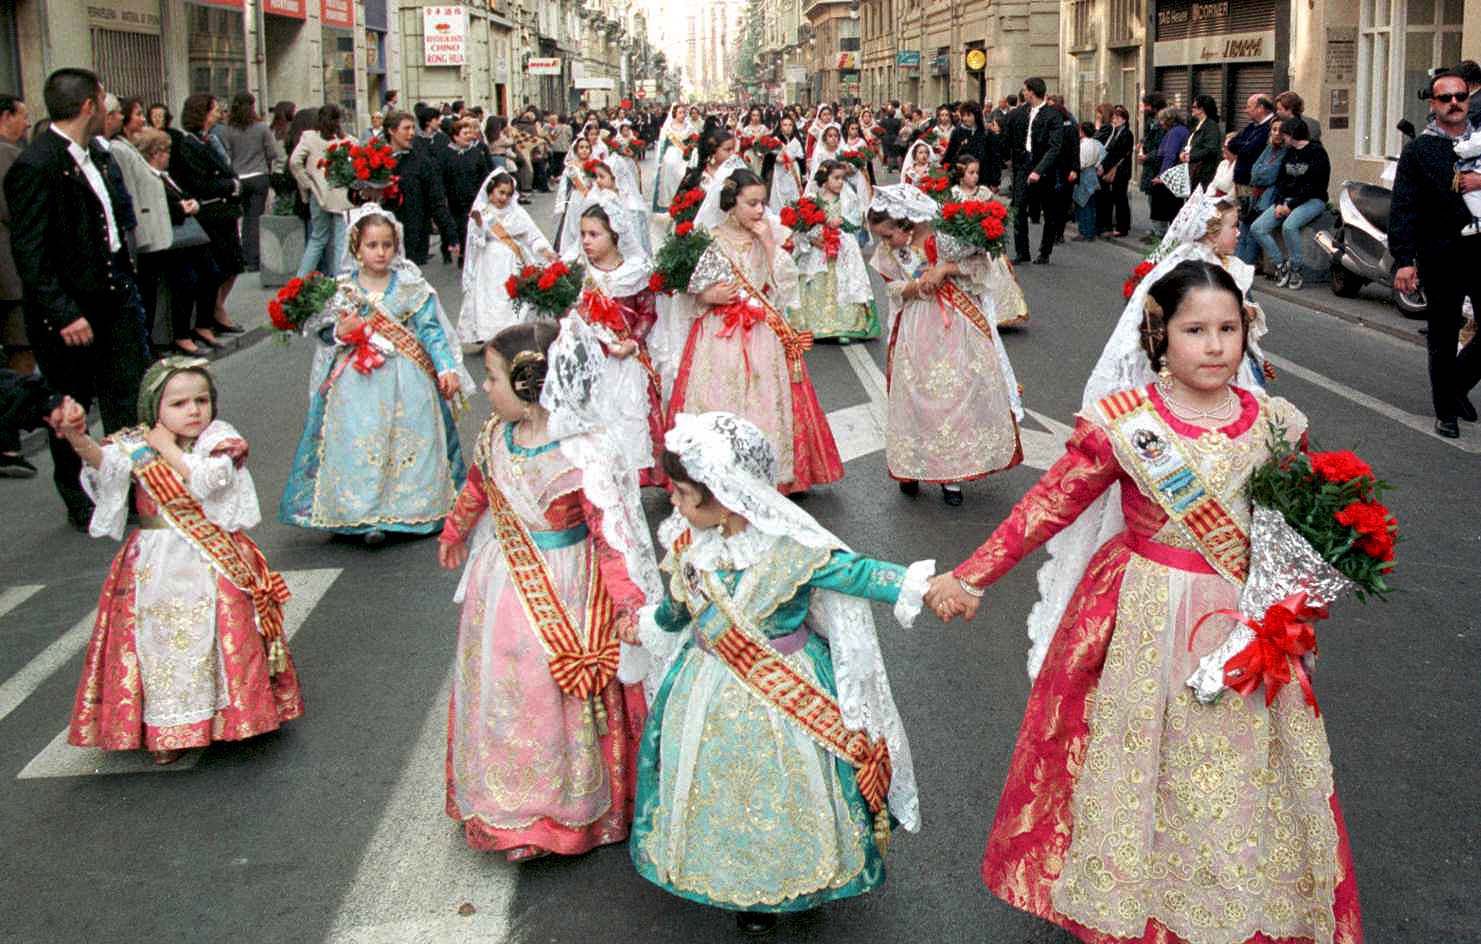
(1303, 300)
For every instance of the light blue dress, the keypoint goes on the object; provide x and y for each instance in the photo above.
(379, 451)
(736, 806)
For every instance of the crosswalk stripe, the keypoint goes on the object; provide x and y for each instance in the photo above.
(60, 759)
(19, 686)
(12, 597)
(416, 871)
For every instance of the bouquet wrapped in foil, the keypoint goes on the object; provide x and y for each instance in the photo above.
(1318, 533)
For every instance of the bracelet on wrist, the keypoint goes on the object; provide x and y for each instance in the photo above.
(970, 590)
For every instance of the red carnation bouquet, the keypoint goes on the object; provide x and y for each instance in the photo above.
(1320, 531)
(549, 291)
(937, 185)
(744, 143)
(858, 157)
(298, 301)
(806, 218)
(979, 223)
(359, 166)
(632, 148)
(690, 143)
(1142, 270)
(589, 166)
(675, 260)
(766, 144)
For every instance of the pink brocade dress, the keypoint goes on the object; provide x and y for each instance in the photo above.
(1132, 812)
(531, 769)
(741, 367)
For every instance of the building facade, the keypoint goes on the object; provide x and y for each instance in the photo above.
(350, 52)
(1358, 66)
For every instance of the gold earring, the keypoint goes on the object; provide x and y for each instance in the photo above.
(1165, 372)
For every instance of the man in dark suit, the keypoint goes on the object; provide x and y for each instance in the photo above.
(1034, 134)
(82, 308)
(423, 200)
(1066, 171)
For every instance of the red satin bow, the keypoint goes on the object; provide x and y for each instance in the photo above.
(1285, 634)
(602, 310)
(743, 317)
(365, 357)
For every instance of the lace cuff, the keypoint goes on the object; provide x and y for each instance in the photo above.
(913, 591)
(108, 487)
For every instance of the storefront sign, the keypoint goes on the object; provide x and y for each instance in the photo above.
(229, 4)
(444, 36)
(129, 16)
(941, 64)
(908, 59)
(544, 67)
(337, 14)
(976, 60)
(297, 9)
(847, 60)
(595, 82)
(1230, 47)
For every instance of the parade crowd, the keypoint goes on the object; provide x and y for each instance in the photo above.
(714, 694)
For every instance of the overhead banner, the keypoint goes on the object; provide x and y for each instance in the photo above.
(296, 9)
(338, 14)
(444, 36)
(544, 66)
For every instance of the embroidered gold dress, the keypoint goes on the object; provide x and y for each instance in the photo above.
(1131, 811)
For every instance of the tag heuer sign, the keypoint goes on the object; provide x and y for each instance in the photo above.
(976, 60)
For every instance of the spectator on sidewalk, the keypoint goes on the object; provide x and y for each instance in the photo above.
(464, 169)
(81, 303)
(328, 204)
(1223, 183)
(1291, 105)
(1164, 203)
(1263, 175)
(14, 121)
(1249, 142)
(1425, 225)
(1113, 208)
(423, 201)
(1205, 147)
(252, 150)
(1152, 134)
(205, 175)
(558, 134)
(1301, 196)
(1087, 182)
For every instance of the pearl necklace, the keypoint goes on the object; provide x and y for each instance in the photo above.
(1223, 412)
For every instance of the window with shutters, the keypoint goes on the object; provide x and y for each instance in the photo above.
(1082, 24)
(130, 64)
(1399, 43)
(1124, 17)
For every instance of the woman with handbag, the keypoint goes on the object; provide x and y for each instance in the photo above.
(205, 174)
(172, 246)
(327, 205)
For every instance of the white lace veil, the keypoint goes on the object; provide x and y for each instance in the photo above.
(1123, 364)
(406, 272)
(710, 215)
(624, 222)
(904, 202)
(737, 463)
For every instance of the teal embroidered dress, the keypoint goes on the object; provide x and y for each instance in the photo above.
(379, 451)
(737, 807)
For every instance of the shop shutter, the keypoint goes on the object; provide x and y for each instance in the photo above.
(1173, 83)
(1253, 78)
(130, 64)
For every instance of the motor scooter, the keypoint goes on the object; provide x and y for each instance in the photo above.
(1358, 245)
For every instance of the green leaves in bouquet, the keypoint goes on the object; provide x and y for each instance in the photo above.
(677, 257)
(1316, 506)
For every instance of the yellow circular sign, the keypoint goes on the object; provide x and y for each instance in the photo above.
(976, 60)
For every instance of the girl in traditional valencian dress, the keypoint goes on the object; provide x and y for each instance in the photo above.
(953, 400)
(188, 644)
(1010, 309)
(606, 193)
(618, 303)
(574, 183)
(541, 733)
(835, 298)
(815, 128)
(751, 130)
(672, 163)
(379, 450)
(742, 355)
(919, 164)
(784, 168)
(502, 239)
(830, 142)
(1132, 810)
(742, 804)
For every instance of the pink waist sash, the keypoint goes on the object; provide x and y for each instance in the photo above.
(1165, 554)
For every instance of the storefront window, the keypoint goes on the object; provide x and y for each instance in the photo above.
(1404, 39)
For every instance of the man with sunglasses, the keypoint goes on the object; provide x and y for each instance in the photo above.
(1427, 234)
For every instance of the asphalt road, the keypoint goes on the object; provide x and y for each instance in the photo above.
(332, 829)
